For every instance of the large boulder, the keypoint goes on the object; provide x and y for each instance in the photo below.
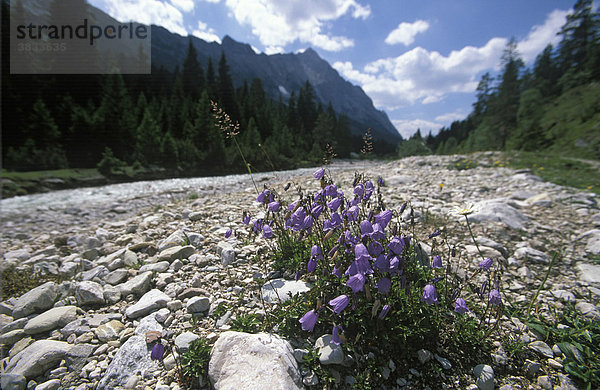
(54, 318)
(38, 358)
(132, 358)
(498, 210)
(253, 361)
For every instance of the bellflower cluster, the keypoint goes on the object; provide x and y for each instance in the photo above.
(359, 250)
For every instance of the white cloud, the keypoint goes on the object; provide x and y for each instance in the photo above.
(423, 76)
(274, 50)
(450, 117)
(540, 36)
(277, 23)
(184, 5)
(147, 12)
(405, 32)
(206, 33)
(407, 128)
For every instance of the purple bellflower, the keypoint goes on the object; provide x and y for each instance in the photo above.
(384, 218)
(460, 306)
(158, 352)
(309, 320)
(339, 303)
(437, 262)
(495, 298)
(311, 266)
(334, 204)
(486, 264)
(267, 232)
(331, 190)
(384, 285)
(274, 206)
(319, 173)
(429, 295)
(384, 312)
(335, 339)
(228, 233)
(356, 282)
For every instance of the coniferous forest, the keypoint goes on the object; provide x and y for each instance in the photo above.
(553, 106)
(163, 121)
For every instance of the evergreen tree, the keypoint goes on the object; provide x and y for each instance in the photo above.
(148, 140)
(192, 73)
(117, 117)
(579, 36)
(226, 92)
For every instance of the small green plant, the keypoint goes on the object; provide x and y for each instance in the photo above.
(249, 323)
(194, 362)
(15, 282)
(578, 338)
(463, 164)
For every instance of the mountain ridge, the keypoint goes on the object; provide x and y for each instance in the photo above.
(279, 72)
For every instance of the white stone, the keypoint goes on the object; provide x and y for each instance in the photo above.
(497, 210)
(329, 353)
(149, 302)
(183, 341)
(54, 318)
(253, 362)
(485, 377)
(138, 285)
(532, 255)
(280, 289)
(589, 272)
(37, 358)
(37, 300)
(89, 293)
(198, 304)
(132, 358)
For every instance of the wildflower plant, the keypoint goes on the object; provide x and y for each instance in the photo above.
(371, 286)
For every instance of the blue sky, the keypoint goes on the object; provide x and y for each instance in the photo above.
(420, 61)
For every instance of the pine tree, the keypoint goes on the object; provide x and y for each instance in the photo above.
(148, 140)
(192, 73)
(226, 91)
(579, 36)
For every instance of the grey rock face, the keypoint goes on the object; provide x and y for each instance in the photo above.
(37, 300)
(253, 361)
(532, 255)
(109, 331)
(329, 353)
(485, 377)
(179, 252)
(39, 357)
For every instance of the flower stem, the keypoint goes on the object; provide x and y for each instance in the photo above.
(473, 238)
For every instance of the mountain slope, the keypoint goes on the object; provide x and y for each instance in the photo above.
(280, 74)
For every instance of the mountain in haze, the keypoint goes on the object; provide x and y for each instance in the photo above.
(280, 73)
